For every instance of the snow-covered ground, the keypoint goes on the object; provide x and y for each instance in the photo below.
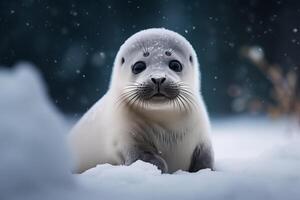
(256, 158)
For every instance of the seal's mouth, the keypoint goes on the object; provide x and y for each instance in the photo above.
(158, 94)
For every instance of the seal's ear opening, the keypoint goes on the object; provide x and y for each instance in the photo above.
(191, 59)
(122, 60)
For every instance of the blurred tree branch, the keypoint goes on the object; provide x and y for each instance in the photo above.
(285, 89)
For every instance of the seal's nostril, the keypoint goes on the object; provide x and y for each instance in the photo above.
(153, 80)
(158, 81)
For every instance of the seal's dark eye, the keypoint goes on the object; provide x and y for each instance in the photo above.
(138, 67)
(175, 65)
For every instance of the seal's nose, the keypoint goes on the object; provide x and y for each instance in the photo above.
(158, 81)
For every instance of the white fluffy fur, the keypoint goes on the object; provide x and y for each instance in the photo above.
(103, 132)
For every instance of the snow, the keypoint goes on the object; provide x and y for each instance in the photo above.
(256, 158)
(33, 155)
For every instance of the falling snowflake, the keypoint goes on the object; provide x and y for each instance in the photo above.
(295, 30)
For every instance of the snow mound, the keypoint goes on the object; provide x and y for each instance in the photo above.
(254, 158)
(33, 156)
(142, 181)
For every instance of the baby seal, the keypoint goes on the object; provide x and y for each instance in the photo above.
(153, 110)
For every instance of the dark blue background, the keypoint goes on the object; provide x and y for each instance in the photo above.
(73, 43)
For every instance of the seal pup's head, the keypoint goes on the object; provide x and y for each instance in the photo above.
(156, 69)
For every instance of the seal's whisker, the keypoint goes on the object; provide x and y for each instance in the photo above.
(178, 104)
(125, 96)
(182, 99)
(188, 93)
(189, 97)
(130, 100)
(184, 104)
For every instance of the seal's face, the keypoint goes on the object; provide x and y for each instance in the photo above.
(160, 69)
